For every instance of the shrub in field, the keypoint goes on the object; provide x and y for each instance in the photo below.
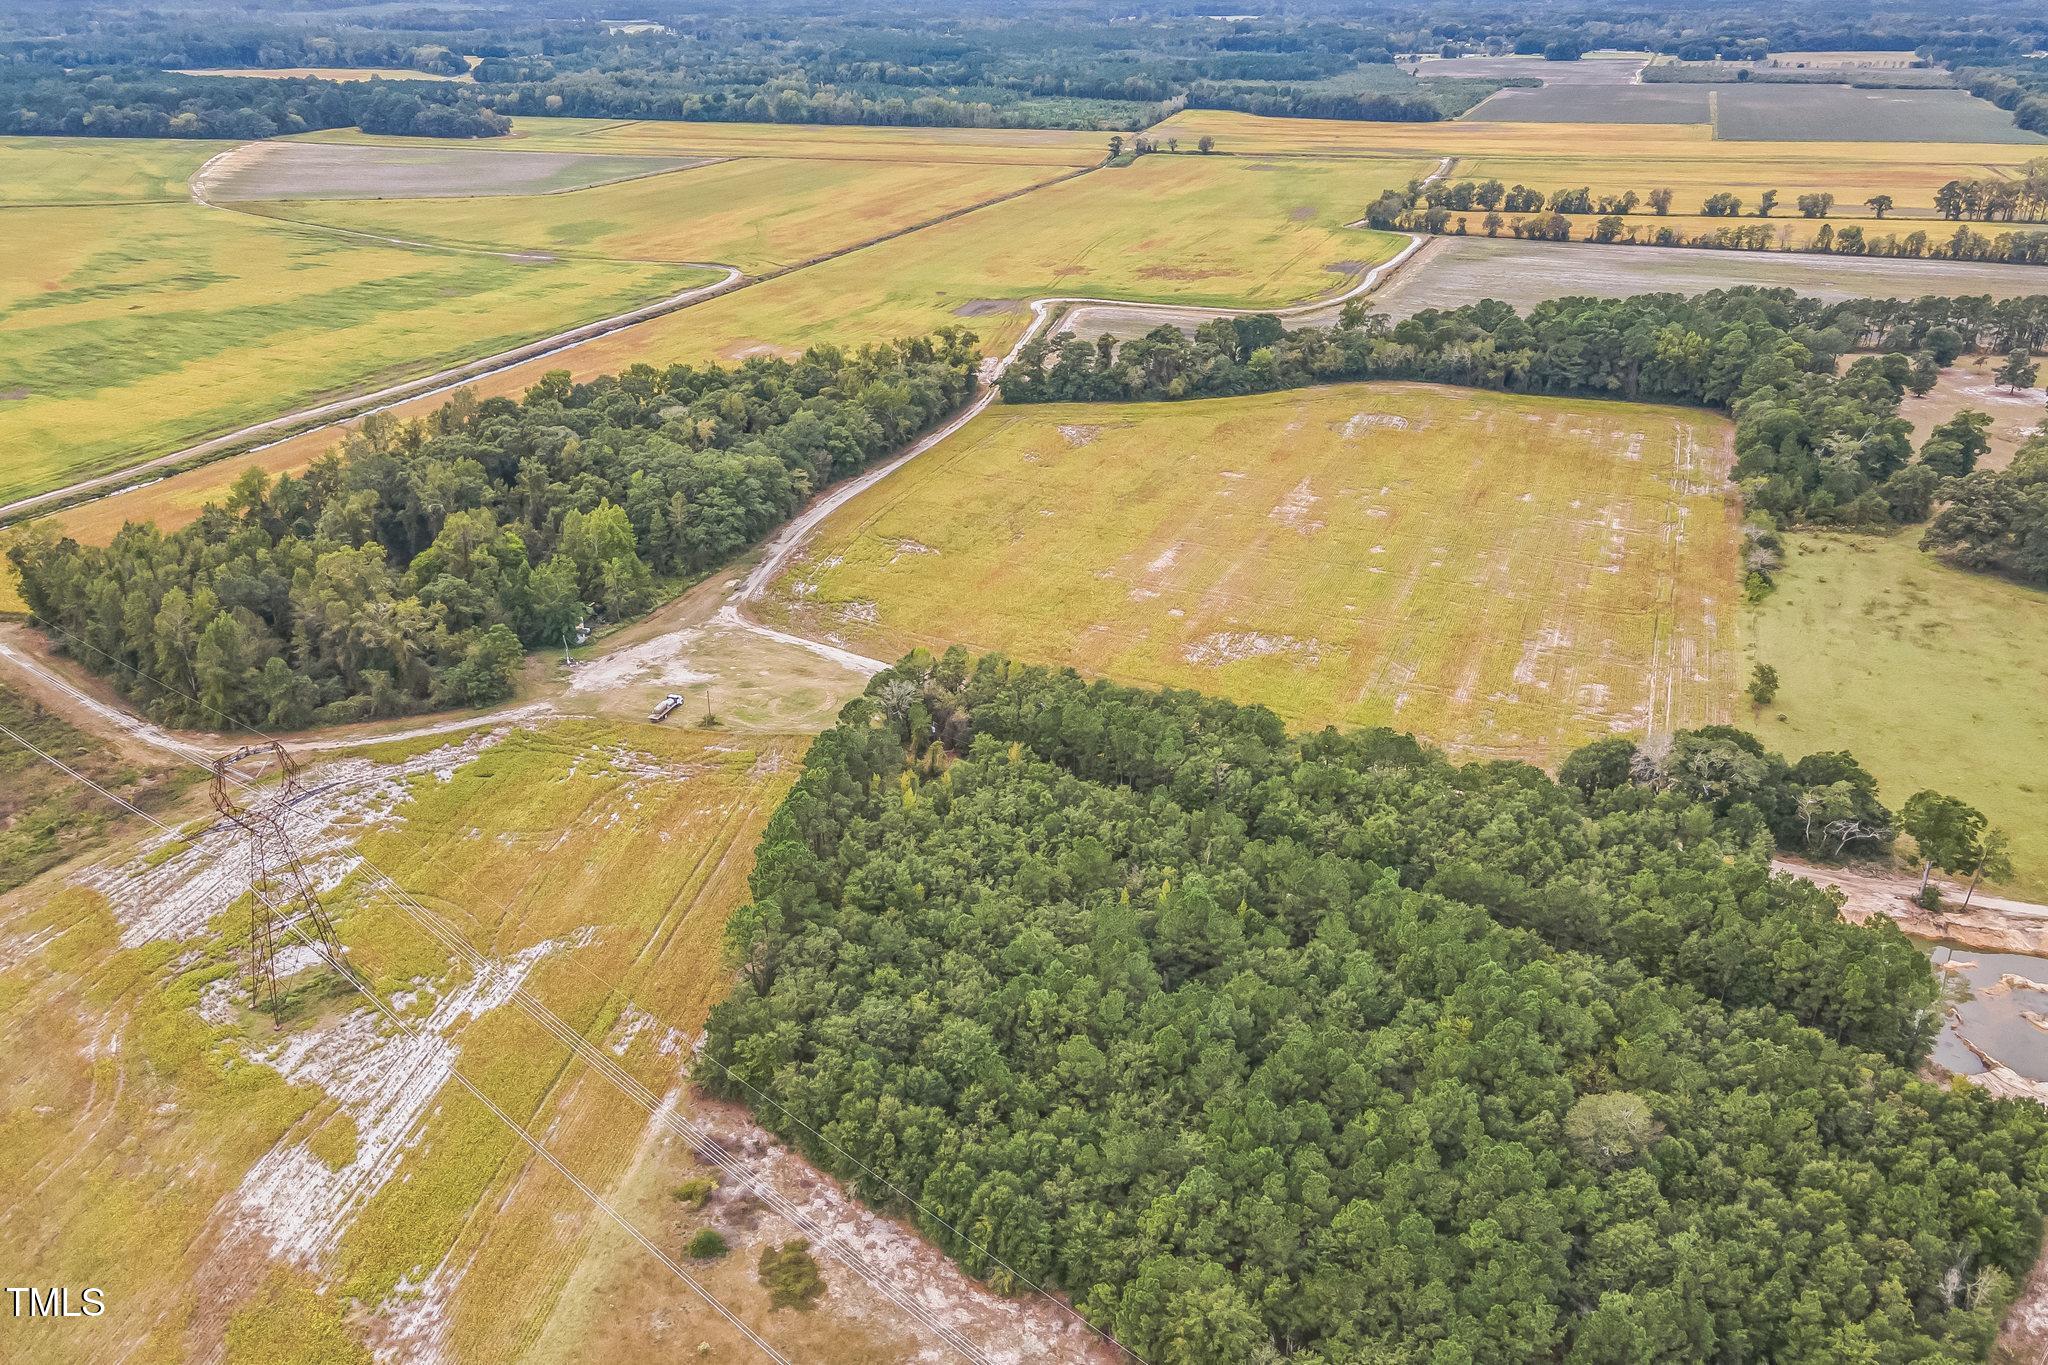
(790, 1275)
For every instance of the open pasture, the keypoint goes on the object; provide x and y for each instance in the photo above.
(1453, 271)
(1930, 675)
(279, 169)
(130, 329)
(1227, 232)
(99, 170)
(1969, 384)
(1506, 576)
(757, 213)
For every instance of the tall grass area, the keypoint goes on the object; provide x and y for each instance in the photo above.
(1930, 675)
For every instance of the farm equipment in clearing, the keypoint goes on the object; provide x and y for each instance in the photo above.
(668, 704)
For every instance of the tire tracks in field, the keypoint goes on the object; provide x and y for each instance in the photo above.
(1070, 312)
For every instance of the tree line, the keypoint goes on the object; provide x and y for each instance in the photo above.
(133, 103)
(412, 567)
(1814, 442)
(1996, 521)
(2019, 87)
(1443, 208)
(1323, 1048)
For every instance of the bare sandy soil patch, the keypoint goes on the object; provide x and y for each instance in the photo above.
(1618, 70)
(1968, 385)
(1462, 270)
(312, 170)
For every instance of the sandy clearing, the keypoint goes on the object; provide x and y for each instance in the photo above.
(278, 169)
(385, 1080)
(173, 888)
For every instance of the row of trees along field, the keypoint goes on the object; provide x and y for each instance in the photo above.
(164, 104)
(413, 567)
(1450, 208)
(1322, 1048)
(2023, 198)
(1815, 441)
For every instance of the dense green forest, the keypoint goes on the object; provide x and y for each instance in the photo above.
(1079, 65)
(1814, 441)
(126, 103)
(1997, 521)
(1324, 1048)
(2019, 85)
(413, 567)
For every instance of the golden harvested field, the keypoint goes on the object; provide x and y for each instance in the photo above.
(759, 214)
(131, 329)
(1213, 230)
(816, 142)
(1504, 575)
(1613, 157)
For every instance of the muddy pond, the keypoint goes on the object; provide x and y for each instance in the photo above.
(1996, 999)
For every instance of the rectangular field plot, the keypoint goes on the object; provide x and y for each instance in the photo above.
(1453, 271)
(1503, 575)
(822, 142)
(1839, 113)
(1598, 103)
(312, 170)
(757, 213)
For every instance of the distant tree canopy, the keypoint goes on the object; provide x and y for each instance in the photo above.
(131, 103)
(1084, 64)
(1811, 443)
(1323, 1048)
(412, 568)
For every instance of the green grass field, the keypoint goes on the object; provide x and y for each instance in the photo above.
(1507, 576)
(127, 331)
(99, 170)
(1930, 675)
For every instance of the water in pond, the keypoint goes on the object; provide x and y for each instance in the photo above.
(1993, 995)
